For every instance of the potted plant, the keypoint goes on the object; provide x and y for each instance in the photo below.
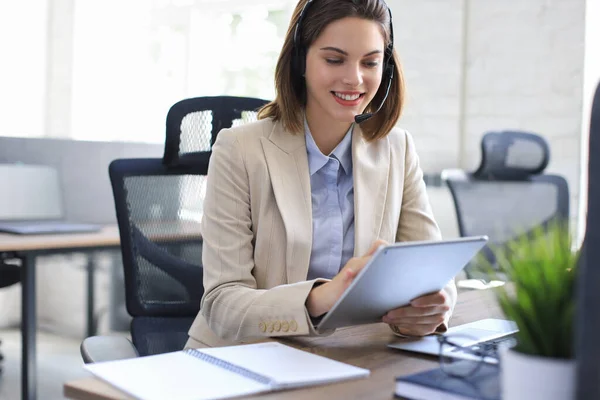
(540, 298)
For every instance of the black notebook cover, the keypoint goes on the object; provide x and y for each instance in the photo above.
(483, 384)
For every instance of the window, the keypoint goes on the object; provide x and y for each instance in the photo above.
(133, 59)
(23, 68)
(110, 70)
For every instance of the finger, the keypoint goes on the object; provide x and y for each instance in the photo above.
(349, 274)
(405, 312)
(375, 246)
(429, 300)
(436, 320)
(416, 330)
(350, 271)
(356, 264)
(351, 265)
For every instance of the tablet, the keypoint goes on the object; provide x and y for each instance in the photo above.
(397, 274)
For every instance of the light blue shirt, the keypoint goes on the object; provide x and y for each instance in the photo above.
(332, 190)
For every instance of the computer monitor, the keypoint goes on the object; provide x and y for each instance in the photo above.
(588, 301)
(35, 193)
(35, 204)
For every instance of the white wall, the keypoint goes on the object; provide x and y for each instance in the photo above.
(428, 37)
(478, 65)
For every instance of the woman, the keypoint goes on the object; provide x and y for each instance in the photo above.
(297, 202)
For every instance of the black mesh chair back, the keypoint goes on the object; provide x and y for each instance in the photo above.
(158, 211)
(507, 196)
(193, 124)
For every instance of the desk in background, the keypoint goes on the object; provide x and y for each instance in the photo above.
(27, 248)
(364, 346)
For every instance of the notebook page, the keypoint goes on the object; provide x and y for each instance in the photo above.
(285, 365)
(174, 376)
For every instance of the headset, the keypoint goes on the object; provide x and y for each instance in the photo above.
(298, 62)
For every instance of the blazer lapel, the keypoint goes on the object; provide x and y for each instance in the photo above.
(287, 161)
(371, 163)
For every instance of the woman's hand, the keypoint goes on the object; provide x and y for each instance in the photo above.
(423, 315)
(321, 298)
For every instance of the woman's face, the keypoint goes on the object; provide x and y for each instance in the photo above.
(344, 69)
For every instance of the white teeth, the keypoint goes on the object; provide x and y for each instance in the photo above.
(347, 97)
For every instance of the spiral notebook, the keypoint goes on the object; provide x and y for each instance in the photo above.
(223, 372)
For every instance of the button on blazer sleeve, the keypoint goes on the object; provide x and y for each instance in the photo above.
(233, 305)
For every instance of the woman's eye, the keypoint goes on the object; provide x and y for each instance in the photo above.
(333, 61)
(371, 64)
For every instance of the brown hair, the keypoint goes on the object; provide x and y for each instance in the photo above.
(290, 99)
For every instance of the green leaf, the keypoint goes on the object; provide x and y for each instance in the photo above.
(542, 268)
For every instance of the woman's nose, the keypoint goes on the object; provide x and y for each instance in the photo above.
(352, 76)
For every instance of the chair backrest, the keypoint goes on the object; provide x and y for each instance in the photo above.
(159, 208)
(158, 211)
(193, 124)
(507, 196)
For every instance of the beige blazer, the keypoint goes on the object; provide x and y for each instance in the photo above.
(257, 226)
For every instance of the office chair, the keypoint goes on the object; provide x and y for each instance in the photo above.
(158, 212)
(508, 195)
(159, 207)
(193, 124)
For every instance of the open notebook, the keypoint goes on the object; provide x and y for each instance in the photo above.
(217, 373)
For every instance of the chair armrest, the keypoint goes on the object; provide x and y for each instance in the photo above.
(107, 348)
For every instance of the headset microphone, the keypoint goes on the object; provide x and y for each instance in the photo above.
(365, 116)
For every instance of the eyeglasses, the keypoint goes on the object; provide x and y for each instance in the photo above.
(461, 355)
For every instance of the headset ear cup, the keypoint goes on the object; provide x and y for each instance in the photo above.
(389, 70)
(389, 61)
(298, 63)
(301, 62)
(297, 68)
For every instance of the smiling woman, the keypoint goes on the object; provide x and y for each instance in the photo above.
(334, 25)
(297, 203)
(343, 74)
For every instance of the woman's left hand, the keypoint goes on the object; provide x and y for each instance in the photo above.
(422, 317)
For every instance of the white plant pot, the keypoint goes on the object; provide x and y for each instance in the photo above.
(531, 377)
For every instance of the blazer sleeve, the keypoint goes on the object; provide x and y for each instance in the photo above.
(233, 306)
(416, 218)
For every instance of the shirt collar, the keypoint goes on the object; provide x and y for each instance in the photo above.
(317, 160)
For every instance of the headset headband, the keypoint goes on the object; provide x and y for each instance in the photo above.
(299, 63)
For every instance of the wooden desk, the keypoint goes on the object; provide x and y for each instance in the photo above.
(363, 346)
(27, 248)
(108, 236)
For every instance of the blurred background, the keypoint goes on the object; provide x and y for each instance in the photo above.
(109, 71)
(77, 72)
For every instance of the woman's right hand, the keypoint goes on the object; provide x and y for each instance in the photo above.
(322, 297)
